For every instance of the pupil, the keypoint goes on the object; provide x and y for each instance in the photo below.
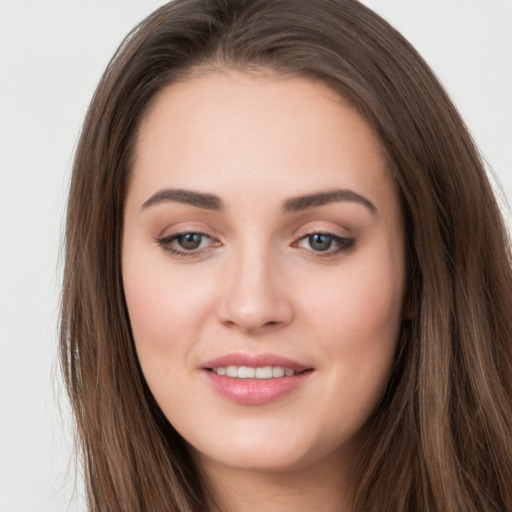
(320, 242)
(190, 241)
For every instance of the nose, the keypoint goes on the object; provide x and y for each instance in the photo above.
(255, 298)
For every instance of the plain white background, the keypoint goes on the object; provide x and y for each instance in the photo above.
(52, 54)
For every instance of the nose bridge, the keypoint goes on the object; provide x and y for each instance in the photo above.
(254, 296)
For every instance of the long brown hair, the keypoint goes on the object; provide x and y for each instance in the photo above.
(441, 438)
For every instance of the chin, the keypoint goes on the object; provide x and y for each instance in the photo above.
(279, 453)
(256, 460)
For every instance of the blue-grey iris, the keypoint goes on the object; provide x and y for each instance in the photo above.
(319, 242)
(190, 241)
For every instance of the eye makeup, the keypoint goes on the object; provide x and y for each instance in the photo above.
(190, 244)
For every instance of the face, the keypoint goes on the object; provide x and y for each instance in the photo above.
(263, 266)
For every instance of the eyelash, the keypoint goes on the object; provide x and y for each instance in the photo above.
(168, 244)
(345, 245)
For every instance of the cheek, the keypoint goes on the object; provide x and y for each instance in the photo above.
(165, 309)
(361, 305)
(164, 314)
(357, 324)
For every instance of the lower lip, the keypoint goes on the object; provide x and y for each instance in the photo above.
(255, 391)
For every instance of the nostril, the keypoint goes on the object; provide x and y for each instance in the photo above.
(252, 308)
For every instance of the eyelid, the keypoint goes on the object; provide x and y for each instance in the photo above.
(327, 228)
(166, 242)
(339, 243)
(342, 237)
(343, 244)
(183, 227)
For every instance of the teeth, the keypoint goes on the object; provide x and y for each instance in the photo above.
(264, 373)
(247, 372)
(232, 371)
(278, 371)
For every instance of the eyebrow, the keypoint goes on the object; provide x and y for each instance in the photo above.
(294, 204)
(199, 199)
(307, 201)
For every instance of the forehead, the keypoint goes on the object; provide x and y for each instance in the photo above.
(290, 133)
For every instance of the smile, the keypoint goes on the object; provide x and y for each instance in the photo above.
(255, 379)
(248, 372)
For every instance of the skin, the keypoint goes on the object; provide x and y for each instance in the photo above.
(257, 284)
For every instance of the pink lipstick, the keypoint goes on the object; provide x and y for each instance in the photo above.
(255, 379)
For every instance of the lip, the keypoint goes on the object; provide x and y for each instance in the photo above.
(255, 391)
(255, 361)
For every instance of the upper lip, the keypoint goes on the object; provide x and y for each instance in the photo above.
(254, 361)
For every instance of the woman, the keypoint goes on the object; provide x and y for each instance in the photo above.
(288, 284)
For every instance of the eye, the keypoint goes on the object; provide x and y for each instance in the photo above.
(186, 244)
(325, 244)
(190, 241)
(320, 242)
